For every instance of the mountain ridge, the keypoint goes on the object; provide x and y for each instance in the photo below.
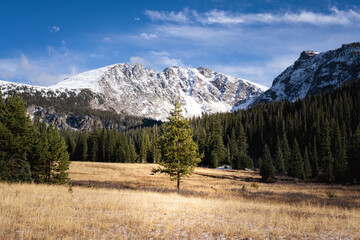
(131, 89)
(314, 72)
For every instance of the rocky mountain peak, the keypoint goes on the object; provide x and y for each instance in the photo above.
(315, 72)
(206, 72)
(133, 90)
(351, 45)
(307, 54)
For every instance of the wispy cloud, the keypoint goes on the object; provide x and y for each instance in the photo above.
(156, 60)
(179, 17)
(255, 46)
(258, 72)
(54, 29)
(334, 17)
(107, 39)
(148, 35)
(43, 71)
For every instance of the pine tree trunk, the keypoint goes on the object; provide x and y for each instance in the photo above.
(178, 183)
(178, 177)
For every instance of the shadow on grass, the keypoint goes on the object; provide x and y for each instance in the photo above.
(229, 177)
(257, 195)
(119, 185)
(296, 198)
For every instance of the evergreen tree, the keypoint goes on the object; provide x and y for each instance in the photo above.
(267, 169)
(296, 165)
(201, 139)
(279, 158)
(81, 150)
(179, 153)
(242, 140)
(110, 145)
(216, 149)
(154, 148)
(286, 152)
(133, 154)
(101, 153)
(243, 157)
(326, 157)
(354, 155)
(58, 160)
(245, 161)
(93, 146)
(234, 152)
(340, 160)
(307, 168)
(144, 149)
(71, 144)
(40, 155)
(314, 160)
(17, 137)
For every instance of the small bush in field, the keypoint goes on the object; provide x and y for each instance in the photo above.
(331, 194)
(254, 185)
(70, 190)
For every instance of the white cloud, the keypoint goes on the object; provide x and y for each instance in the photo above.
(198, 34)
(55, 29)
(37, 71)
(335, 17)
(229, 42)
(157, 60)
(8, 68)
(179, 17)
(259, 72)
(148, 35)
(25, 63)
(137, 19)
(51, 51)
(107, 39)
(46, 79)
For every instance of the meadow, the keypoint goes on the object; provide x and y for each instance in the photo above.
(124, 201)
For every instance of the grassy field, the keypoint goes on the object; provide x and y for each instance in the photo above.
(123, 201)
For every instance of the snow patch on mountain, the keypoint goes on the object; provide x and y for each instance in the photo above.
(131, 89)
(314, 72)
(86, 80)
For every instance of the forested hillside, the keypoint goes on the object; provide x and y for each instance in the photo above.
(29, 151)
(316, 135)
(314, 138)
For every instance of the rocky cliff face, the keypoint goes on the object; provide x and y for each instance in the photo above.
(315, 72)
(131, 89)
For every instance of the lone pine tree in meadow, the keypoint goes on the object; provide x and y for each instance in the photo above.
(179, 153)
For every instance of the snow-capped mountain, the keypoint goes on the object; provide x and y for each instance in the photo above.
(315, 72)
(132, 90)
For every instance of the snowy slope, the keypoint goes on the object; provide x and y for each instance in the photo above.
(89, 80)
(314, 72)
(5, 86)
(131, 89)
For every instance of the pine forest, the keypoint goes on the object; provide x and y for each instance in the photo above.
(313, 139)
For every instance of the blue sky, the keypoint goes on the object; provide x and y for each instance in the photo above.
(43, 42)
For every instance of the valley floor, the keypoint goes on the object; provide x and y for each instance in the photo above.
(123, 201)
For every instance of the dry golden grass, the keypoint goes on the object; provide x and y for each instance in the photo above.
(123, 201)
